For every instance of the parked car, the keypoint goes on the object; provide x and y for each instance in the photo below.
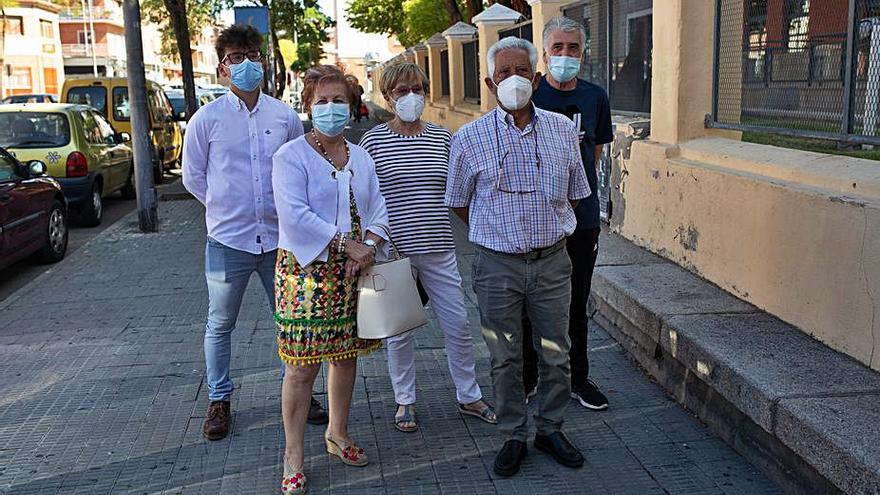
(178, 104)
(33, 212)
(109, 95)
(80, 148)
(41, 98)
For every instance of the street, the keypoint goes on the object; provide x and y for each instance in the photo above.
(102, 391)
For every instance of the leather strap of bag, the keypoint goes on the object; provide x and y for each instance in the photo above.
(395, 253)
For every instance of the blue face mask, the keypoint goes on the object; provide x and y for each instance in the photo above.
(331, 118)
(247, 76)
(564, 69)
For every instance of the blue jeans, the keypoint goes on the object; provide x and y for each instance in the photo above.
(228, 272)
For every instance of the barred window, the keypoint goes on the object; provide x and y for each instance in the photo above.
(444, 73)
(471, 56)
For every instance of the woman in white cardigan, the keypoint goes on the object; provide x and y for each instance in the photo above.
(332, 220)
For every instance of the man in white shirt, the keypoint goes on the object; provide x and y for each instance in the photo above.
(227, 166)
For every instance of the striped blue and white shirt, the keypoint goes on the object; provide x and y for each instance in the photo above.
(518, 184)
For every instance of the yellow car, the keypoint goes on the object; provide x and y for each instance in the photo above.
(80, 148)
(109, 96)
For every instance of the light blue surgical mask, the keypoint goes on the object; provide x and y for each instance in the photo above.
(247, 76)
(564, 69)
(331, 118)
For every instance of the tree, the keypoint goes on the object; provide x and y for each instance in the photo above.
(474, 7)
(412, 21)
(423, 18)
(521, 6)
(303, 23)
(174, 17)
(377, 16)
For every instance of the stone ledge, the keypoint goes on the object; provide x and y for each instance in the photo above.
(837, 176)
(804, 413)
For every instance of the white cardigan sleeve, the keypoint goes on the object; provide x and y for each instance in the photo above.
(377, 214)
(306, 233)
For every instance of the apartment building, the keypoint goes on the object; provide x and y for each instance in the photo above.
(33, 61)
(105, 54)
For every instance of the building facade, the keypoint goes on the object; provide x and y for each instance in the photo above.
(32, 50)
(204, 58)
(105, 54)
(356, 52)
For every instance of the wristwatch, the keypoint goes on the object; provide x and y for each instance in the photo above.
(371, 243)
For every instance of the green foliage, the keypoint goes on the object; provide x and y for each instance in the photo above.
(199, 13)
(423, 19)
(412, 21)
(377, 16)
(306, 26)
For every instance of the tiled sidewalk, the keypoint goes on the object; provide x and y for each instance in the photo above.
(102, 391)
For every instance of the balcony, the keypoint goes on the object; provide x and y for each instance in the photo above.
(109, 13)
(102, 50)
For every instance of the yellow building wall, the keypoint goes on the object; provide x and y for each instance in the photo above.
(794, 233)
(788, 242)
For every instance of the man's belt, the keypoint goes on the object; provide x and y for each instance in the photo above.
(532, 255)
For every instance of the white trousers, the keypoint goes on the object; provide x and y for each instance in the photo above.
(441, 280)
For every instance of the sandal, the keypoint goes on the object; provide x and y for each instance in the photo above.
(293, 482)
(408, 416)
(350, 454)
(486, 414)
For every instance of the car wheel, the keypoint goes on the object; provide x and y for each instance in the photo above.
(56, 244)
(128, 190)
(93, 210)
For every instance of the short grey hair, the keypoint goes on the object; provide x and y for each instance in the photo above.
(511, 43)
(566, 25)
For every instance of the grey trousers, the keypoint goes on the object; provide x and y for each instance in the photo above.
(504, 285)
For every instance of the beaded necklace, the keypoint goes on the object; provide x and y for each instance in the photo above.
(324, 152)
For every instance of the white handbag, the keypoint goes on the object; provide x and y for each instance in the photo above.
(388, 300)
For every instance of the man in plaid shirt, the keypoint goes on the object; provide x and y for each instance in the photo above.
(515, 176)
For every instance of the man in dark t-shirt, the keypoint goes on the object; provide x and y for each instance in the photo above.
(587, 105)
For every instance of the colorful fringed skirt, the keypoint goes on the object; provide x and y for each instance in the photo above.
(316, 310)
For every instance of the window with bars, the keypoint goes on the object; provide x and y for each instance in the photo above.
(444, 73)
(522, 30)
(799, 68)
(797, 21)
(622, 62)
(471, 56)
(46, 29)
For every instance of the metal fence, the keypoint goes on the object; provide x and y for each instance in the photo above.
(798, 67)
(424, 64)
(618, 49)
(522, 30)
(444, 73)
(471, 56)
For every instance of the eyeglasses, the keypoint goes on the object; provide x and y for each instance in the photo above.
(238, 57)
(400, 92)
(510, 183)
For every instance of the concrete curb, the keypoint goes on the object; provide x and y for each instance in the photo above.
(802, 412)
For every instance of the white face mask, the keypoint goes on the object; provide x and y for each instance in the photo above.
(410, 107)
(514, 93)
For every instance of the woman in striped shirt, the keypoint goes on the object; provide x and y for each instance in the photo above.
(412, 158)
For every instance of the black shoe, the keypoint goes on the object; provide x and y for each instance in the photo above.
(510, 457)
(559, 449)
(317, 414)
(588, 394)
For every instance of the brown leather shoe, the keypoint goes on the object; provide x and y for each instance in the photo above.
(217, 422)
(317, 414)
